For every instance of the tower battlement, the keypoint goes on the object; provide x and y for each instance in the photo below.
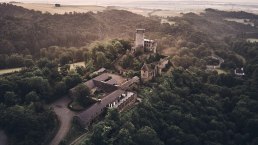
(139, 37)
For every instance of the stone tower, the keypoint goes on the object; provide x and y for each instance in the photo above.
(139, 38)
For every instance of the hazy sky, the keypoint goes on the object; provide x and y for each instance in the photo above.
(118, 1)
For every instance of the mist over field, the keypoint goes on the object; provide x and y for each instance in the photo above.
(175, 5)
(114, 2)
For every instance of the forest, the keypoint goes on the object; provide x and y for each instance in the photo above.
(187, 106)
(191, 106)
(25, 97)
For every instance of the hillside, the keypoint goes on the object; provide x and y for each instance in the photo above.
(27, 31)
(23, 29)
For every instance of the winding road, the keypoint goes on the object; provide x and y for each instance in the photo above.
(65, 117)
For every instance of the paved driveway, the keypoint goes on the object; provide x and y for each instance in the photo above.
(65, 117)
(3, 138)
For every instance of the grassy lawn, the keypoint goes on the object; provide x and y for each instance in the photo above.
(11, 70)
(220, 71)
(76, 106)
(99, 95)
(74, 65)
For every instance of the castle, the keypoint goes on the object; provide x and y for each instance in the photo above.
(147, 46)
(150, 71)
(142, 44)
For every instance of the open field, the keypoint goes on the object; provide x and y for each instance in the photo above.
(242, 21)
(93, 8)
(252, 40)
(163, 20)
(145, 8)
(139, 11)
(165, 13)
(11, 70)
(61, 10)
(50, 8)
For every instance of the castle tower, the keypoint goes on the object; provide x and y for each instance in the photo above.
(139, 38)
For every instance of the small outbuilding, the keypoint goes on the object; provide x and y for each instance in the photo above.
(239, 72)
